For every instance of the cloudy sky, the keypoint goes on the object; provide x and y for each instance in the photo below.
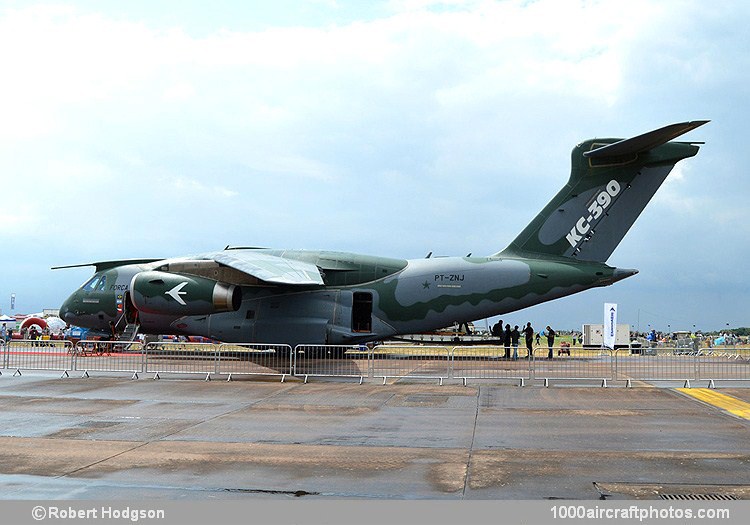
(157, 129)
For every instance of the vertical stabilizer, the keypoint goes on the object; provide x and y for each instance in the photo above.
(611, 182)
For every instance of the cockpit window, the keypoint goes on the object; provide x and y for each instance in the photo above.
(91, 285)
(102, 284)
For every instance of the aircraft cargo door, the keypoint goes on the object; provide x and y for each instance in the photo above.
(362, 312)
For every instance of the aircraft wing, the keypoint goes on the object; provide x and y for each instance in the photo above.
(106, 265)
(271, 268)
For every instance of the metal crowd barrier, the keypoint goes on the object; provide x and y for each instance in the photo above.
(181, 358)
(37, 354)
(572, 363)
(723, 363)
(418, 362)
(489, 362)
(331, 360)
(665, 364)
(254, 359)
(109, 356)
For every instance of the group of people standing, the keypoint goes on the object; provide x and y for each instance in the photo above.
(510, 337)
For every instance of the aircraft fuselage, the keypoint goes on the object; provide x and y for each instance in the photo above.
(414, 296)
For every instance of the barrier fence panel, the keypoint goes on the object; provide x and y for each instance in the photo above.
(254, 359)
(331, 360)
(489, 362)
(39, 355)
(181, 358)
(723, 363)
(424, 362)
(5, 356)
(662, 364)
(109, 356)
(572, 363)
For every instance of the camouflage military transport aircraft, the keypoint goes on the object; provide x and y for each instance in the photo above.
(318, 297)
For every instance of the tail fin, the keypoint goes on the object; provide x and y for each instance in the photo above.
(611, 181)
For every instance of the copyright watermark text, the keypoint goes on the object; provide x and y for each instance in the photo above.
(107, 512)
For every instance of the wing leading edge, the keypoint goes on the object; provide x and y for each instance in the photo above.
(271, 268)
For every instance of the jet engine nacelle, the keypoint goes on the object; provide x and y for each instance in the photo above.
(175, 294)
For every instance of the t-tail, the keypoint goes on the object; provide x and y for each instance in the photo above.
(611, 182)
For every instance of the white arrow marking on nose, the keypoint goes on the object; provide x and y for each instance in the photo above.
(175, 293)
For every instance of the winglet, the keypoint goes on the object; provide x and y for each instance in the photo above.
(644, 142)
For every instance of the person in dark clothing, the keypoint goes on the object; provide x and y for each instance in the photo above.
(528, 332)
(515, 335)
(506, 341)
(497, 331)
(550, 341)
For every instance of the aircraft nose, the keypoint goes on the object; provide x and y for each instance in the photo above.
(66, 312)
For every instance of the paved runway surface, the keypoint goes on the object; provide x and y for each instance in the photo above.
(112, 437)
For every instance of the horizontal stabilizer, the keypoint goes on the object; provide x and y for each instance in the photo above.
(644, 142)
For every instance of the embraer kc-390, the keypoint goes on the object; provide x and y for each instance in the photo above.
(322, 297)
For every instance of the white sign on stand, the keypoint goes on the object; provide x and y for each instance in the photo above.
(610, 325)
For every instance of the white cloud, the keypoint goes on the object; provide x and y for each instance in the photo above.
(197, 188)
(179, 92)
(495, 48)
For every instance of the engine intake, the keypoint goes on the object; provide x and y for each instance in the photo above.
(176, 294)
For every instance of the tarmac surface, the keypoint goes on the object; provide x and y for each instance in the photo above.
(117, 438)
